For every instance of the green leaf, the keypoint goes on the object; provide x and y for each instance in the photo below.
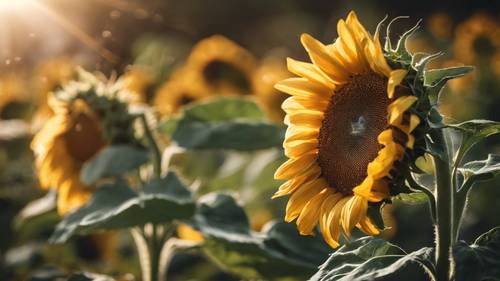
(225, 123)
(275, 253)
(414, 198)
(228, 135)
(113, 161)
(116, 206)
(481, 260)
(473, 132)
(482, 170)
(224, 109)
(37, 218)
(86, 276)
(370, 258)
(434, 77)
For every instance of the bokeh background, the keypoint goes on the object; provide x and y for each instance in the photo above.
(150, 41)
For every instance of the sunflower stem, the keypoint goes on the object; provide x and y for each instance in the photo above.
(444, 208)
(154, 145)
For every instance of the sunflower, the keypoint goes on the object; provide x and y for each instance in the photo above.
(477, 38)
(137, 80)
(50, 76)
(88, 115)
(215, 66)
(177, 92)
(349, 124)
(222, 66)
(70, 138)
(267, 74)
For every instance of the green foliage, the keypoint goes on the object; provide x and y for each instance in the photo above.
(116, 206)
(37, 217)
(435, 79)
(482, 170)
(113, 161)
(414, 198)
(474, 131)
(224, 109)
(225, 123)
(370, 258)
(85, 276)
(481, 260)
(277, 253)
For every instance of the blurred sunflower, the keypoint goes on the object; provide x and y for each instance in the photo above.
(138, 80)
(477, 39)
(177, 92)
(215, 66)
(50, 76)
(267, 74)
(348, 125)
(86, 119)
(14, 97)
(440, 25)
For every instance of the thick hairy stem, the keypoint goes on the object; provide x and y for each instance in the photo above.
(154, 251)
(143, 253)
(444, 208)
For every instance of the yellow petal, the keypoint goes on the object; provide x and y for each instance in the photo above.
(303, 88)
(310, 72)
(334, 219)
(353, 212)
(395, 79)
(367, 226)
(301, 196)
(320, 56)
(309, 216)
(398, 107)
(293, 167)
(295, 149)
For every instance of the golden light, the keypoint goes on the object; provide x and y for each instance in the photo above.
(11, 5)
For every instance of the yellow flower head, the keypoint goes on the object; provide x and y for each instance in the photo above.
(215, 66)
(348, 125)
(267, 74)
(78, 130)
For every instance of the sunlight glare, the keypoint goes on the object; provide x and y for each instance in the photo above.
(9, 5)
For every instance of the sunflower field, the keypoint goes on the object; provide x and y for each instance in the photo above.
(228, 140)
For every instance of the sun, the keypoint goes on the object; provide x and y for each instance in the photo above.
(9, 5)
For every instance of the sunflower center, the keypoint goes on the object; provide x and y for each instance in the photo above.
(218, 72)
(355, 116)
(84, 139)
